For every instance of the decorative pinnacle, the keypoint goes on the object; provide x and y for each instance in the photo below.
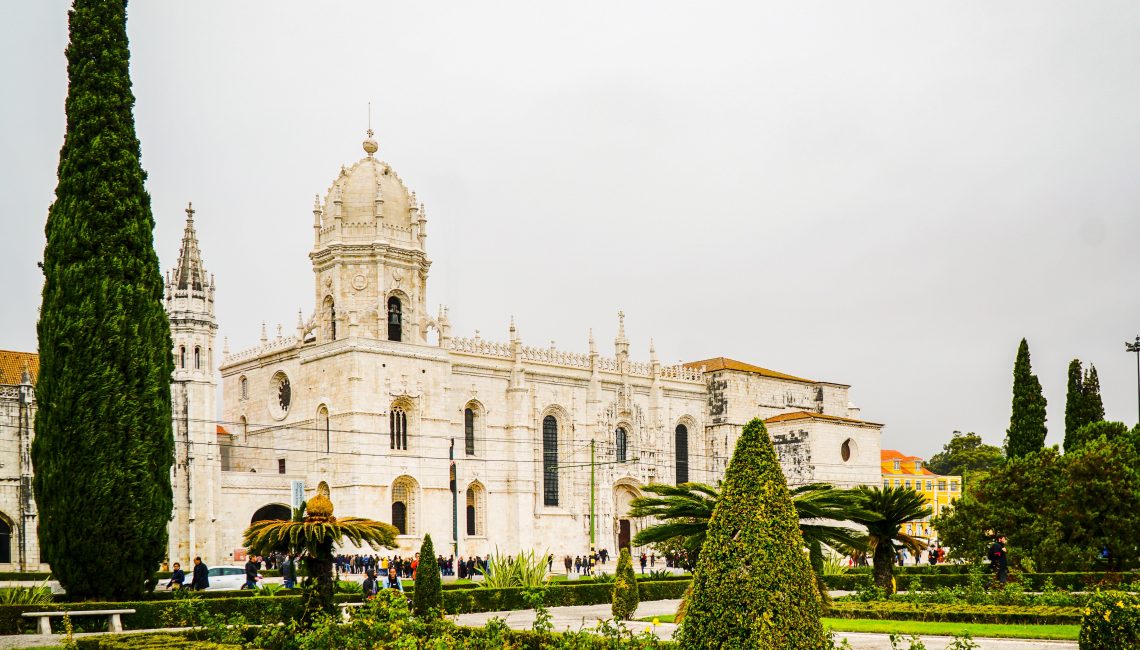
(621, 326)
(190, 211)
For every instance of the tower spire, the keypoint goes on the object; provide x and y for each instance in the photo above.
(190, 273)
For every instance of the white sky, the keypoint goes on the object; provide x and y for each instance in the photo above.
(886, 194)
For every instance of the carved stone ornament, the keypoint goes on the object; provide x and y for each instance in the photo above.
(359, 282)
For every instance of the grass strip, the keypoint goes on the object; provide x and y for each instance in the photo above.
(991, 630)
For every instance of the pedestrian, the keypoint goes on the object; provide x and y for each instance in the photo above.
(569, 564)
(999, 563)
(201, 576)
(251, 573)
(550, 563)
(370, 588)
(393, 580)
(289, 571)
(177, 577)
(578, 564)
(644, 561)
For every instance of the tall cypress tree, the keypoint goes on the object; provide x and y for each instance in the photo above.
(104, 445)
(753, 586)
(1093, 410)
(1074, 403)
(1027, 431)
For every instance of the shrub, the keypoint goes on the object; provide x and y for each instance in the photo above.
(753, 586)
(522, 570)
(149, 642)
(40, 595)
(625, 598)
(428, 597)
(955, 613)
(1111, 621)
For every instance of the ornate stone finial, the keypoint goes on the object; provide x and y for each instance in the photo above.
(279, 331)
(264, 333)
(593, 345)
(370, 145)
(189, 211)
(513, 330)
(226, 346)
(652, 350)
(316, 203)
(621, 324)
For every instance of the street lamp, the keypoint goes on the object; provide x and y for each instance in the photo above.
(1135, 347)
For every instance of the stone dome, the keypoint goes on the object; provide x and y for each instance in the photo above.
(370, 200)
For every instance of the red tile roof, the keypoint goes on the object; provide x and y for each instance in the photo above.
(12, 365)
(724, 363)
(806, 415)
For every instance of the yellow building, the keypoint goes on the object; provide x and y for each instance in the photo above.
(900, 470)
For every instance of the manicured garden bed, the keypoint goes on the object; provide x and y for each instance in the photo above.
(1003, 614)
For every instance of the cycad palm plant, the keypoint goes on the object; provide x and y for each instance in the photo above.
(312, 537)
(684, 511)
(887, 510)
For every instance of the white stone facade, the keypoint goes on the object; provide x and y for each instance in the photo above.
(486, 445)
(19, 546)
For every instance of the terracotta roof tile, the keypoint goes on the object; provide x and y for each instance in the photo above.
(12, 366)
(805, 415)
(222, 431)
(724, 363)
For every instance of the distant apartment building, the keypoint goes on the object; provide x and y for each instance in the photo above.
(900, 470)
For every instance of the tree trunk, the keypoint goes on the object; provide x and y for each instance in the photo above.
(319, 589)
(884, 561)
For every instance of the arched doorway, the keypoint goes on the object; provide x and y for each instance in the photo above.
(5, 540)
(624, 494)
(272, 512)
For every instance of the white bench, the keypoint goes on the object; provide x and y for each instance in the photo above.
(114, 623)
(344, 610)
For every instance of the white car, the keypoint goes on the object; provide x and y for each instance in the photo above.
(226, 577)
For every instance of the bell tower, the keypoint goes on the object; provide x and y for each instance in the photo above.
(196, 474)
(369, 257)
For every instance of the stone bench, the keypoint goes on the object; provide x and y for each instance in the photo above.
(114, 623)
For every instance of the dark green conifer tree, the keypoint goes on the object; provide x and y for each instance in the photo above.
(104, 445)
(625, 598)
(1093, 406)
(427, 599)
(753, 586)
(1074, 403)
(1026, 433)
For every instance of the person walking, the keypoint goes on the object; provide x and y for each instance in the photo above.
(177, 577)
(201, 575)
(370, 587)
(999, 563)
(289, 571)
(644, 561)
(250, 573)
(568, 563)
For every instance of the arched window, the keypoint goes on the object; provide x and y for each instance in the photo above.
(197, 358)
(244, 426)
(395, 319)
(845, 450)
(471, 529)
(5, 541)
(244, 387)
(328, 318)
(182, 356)
(272, 512)
(398, 428)
(550, 461)
(324, 429)
(620, 440)
(403, 505)
(469, 431)
(681, 446)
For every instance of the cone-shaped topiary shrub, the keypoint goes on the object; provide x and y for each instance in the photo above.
(753, 586)
(427, 599)
(625, 598)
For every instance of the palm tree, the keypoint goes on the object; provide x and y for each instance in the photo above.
(311, 536)
(889, 508)
(684, 511)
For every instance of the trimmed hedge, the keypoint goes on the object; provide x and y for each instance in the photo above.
(25, 576)
(151, 614)
(1006, 614)
(1029, 581)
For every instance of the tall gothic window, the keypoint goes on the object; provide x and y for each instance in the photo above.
(404, 505)
(469, 431)
(681, 446)
(398, 426)
(244, 388)
(395, 319)
(471, 529)
(182, 356)
(620, 440)
(329, 317)
(197, 358)
(5, 541)
(550, 461)
(324, 429)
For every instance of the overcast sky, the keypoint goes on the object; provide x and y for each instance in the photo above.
(884, 194)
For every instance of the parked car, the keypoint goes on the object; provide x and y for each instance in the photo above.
(226, 577)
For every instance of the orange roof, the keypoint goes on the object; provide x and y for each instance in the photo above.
(12, 365)
(906, 463)
(222, 431)
(806, 415)
(724, 363)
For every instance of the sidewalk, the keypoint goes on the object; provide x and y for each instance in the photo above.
(587, 616)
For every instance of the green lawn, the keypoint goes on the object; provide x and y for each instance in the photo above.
(993, 630)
